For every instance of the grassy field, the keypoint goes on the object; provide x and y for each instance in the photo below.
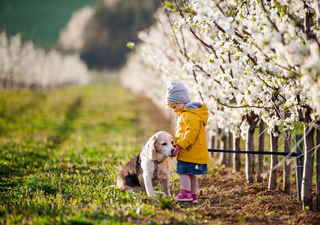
(38, 20)
(62, 149)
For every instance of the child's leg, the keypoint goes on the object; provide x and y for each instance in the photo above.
(185, 194)
(194, 183)
(185, 181)
(194, 187)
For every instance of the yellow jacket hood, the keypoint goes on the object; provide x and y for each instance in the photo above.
(199, 109)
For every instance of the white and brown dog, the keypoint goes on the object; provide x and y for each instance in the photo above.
(149, 167)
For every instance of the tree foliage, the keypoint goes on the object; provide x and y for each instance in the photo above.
(23, 65)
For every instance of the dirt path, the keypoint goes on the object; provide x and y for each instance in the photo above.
(227, 198)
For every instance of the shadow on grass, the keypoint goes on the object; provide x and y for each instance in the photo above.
(34, 154)
(64, 131)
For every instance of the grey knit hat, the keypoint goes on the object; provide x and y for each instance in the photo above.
(177, 93)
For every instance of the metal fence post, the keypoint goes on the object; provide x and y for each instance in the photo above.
(299, 163)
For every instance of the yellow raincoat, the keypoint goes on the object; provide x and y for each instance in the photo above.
(191, 136)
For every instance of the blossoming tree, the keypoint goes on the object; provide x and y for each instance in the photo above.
(248, 60)
(23, 65)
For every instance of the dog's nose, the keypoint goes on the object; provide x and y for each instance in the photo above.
(172, 151)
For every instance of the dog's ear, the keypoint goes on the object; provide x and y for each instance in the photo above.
(151, 148)
(173, 139)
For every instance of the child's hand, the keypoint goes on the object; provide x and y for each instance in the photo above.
(177, 150)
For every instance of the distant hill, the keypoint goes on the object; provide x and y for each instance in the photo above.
(38, 20)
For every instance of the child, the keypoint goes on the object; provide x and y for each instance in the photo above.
(191, 147)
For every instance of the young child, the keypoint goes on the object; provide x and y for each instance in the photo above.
(191, 147)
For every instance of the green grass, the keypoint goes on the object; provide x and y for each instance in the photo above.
(38, 20)
(62, 149)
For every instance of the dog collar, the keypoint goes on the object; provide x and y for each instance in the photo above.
(142, 153)
(156, 165)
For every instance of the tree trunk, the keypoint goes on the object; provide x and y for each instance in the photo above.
(299, 162)
(217, 143)
(261, 149)
(236, 156)
(274, 161)
(231, 155)
(251, 118)
(253, 159)
(306, 190)
(223, 146)
(287, 162)
(318, 170)
(249, 147)
(5, 83)
(212, 145)
(11, 83)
